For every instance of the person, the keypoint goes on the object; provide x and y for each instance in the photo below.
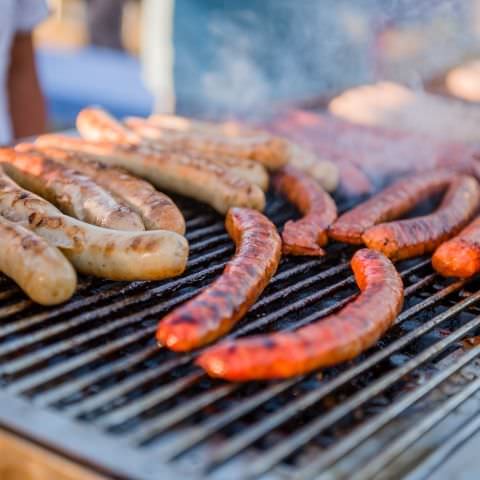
(22, 106)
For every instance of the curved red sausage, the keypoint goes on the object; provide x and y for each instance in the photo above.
(214, 311)
(389, 204)
(331, 340)
(415, 236)
(307, 235)
(460, 256)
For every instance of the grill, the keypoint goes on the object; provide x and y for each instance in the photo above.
(87, 380)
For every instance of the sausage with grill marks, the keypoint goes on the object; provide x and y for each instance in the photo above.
(271, 152)
(331, 340)
(39, 269)
(215, 311)
(389, 204)
(113, 254)
(323, 171)
(158, 211)
(307, 235)
(175, 171)
(460, 256)
(71, 191)
(412, 237)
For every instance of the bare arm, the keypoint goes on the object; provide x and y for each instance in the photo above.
(27, 106)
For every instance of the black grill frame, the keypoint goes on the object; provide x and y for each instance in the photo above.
(81, 430)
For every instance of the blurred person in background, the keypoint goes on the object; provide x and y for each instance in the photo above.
(22, 106)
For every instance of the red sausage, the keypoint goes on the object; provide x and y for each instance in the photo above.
(416, 236)
(214, 311)
(460, 256)
(389, 204)
(331, 340)
(307, 235)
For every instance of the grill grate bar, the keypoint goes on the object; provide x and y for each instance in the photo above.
(177, 414)
(60, 391)
(23, 386)
(194, 435)
(399, 445)
(464, 433)
(321, 423)
(147, 401)
(248, 437)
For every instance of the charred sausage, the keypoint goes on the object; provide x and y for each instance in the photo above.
(71, 191)
(178, 172)
(215, 311)
(114, 254)
(39, 269)
(389, 204)
(307, 235)
(331, 340)
(460, 256)
(412, 237)
(158, 211)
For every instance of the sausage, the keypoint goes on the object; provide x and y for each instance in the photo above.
(175, 171)
(97, 125)
(416, 236)
(39, 269)
(323, 171)
(389, 204)
(215, 311)
(307, 235)
(113, 254)
(460, 256)
(271, 152)
(157, 210)
(74, 193)
(334, 339)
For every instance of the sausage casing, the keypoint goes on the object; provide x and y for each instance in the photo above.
(323, 171)
(460, 256)
(415, 236)
(214, 311)
(389, 204)
(158, 211)
(331, 340)
(307, 235)
(114, 254)
(39, 269)
(271, 152)
(71, 191)
(178, 172)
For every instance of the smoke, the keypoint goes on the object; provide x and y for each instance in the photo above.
(275, 52)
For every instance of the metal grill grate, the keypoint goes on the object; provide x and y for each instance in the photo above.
(87, 379)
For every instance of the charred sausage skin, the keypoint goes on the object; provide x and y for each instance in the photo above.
(331, 340)
(412, 237)
(389, 204)
(460, 256)
(307, 235)
(214, 311)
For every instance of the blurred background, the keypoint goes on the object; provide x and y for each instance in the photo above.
(221, 58)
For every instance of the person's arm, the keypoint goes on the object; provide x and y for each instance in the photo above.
(27, 105)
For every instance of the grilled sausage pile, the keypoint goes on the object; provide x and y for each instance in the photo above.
(91, 205)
